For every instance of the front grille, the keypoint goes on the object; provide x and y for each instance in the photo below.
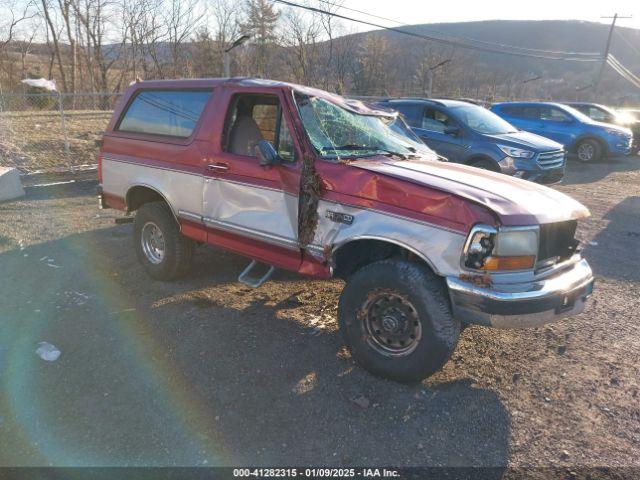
(557, 240)
(553, 159)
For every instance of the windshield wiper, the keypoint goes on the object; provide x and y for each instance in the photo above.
(348, 147)
(363, 147)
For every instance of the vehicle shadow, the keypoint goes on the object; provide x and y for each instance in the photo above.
(206, 372)
(578, 173)
(614, 242)
(57, 187)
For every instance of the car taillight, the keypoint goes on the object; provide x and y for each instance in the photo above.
(100, 168)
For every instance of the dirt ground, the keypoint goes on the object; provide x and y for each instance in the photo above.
(205, 371)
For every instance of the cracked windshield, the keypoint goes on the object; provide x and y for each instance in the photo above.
(337, 132)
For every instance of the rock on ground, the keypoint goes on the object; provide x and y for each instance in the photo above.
(10, 184)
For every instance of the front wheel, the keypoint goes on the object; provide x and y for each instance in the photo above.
(589, 151)
(160, 247)
(395, 318)
(485, 164)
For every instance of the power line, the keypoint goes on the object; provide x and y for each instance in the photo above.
(623, 71)
(567, 56)
(445, 36)
(605, 56)
(626, 40)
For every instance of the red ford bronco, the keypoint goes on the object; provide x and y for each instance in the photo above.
(300, 179)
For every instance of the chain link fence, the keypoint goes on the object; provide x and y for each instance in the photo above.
(53, 132)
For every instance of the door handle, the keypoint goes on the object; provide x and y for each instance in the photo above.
(219, 167)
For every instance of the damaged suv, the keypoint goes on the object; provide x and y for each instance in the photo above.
(303, 180)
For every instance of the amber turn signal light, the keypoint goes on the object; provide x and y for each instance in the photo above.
(509, 263)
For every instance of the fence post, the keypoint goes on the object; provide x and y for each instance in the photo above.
(64, 132)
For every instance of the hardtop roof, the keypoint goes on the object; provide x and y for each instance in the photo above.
(356, 106)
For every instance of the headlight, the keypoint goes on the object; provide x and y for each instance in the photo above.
(618, 133)
(514, 152)
(508, 249)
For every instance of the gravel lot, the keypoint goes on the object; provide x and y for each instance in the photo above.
(208, 372)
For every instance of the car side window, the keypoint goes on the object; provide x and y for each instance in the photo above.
(412, 114)
(520, 111)
(284, 142)
(512, 110)
(598, 114)
(553, 115)
(435, 121)
(532, 113)
(167, 113)
(252, 118)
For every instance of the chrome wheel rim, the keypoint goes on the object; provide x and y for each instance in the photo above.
(585, 152)
(152, 241)
(391, 323)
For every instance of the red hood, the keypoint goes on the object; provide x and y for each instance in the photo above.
(514, 201)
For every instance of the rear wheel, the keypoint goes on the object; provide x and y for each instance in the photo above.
(395, 318)
(589, 151)
(162, 250)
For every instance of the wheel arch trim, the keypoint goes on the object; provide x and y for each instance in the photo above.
(132, 186)
(603, 143)
(392, 241)
(477, 157)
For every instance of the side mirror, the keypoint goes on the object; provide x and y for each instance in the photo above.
(453, 131)
(267, 154)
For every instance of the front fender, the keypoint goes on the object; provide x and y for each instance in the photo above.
(438, 246)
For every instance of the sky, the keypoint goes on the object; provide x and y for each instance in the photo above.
(425, 11)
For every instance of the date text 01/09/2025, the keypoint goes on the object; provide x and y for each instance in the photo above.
(315, 472)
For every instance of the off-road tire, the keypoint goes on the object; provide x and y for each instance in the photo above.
(591, 144)
(178, 249)
(425, 292)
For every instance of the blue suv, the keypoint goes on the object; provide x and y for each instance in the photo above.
(463, 132)
(588, 139)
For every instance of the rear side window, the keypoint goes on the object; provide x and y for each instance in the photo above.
(521, 111)
(514, 110)
(171, 113)
(553, 114)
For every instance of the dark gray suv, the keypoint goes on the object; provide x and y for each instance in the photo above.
(463, 132)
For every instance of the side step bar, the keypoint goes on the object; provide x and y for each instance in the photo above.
(246, 279)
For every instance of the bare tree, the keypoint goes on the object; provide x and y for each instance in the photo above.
(226, 16)
(48, 12)
(300, 38)
(14, 16)
(369, 70)
(179, 20)
(14, 13)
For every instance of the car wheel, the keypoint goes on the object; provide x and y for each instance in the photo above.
(486, 165)
(162, 250)
(589, 151)
(396, 320)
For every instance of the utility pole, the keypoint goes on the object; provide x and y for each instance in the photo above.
(606, 49)
(227, 53)
(430, 75)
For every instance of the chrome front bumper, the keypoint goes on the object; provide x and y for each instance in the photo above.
(523, 305)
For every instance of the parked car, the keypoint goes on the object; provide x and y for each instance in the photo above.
(588, 139)
(303, 180)
(463, 132)
(602, 113)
